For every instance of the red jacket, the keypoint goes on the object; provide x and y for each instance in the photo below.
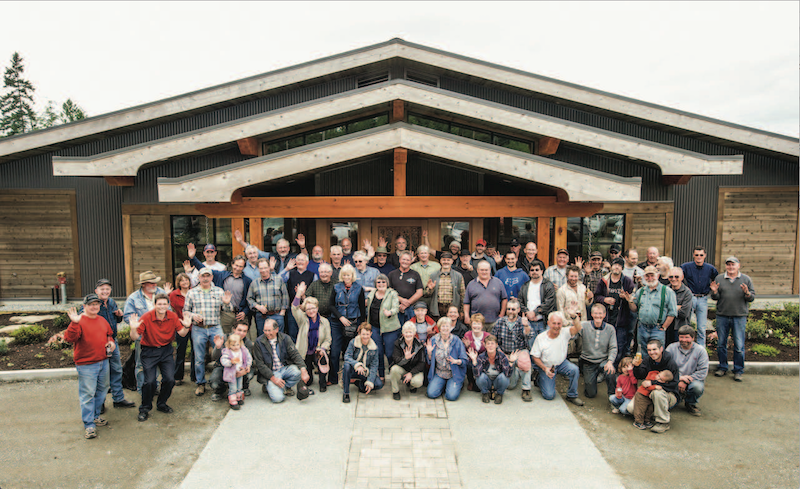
(89, 338)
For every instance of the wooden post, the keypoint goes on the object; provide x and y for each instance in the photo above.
(169, 272)
(560, 238)
(256, 233)
(248, 146)
(127, 253)
(475, 232)
(398, 111)
(324, 237)
(543, 240)
(400, 160)
(237, 225)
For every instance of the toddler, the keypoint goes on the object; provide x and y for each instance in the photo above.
(236, 359)
(626, 387)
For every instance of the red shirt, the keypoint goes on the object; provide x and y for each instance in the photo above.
(89, 338)
(158, 332)
(651, 376)
(177, 301)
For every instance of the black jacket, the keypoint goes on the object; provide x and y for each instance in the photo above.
(666, 363)
(414, 365)
(262, 356)
(548, 297)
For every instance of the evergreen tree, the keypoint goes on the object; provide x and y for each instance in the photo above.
(71, 112)
(16, 105)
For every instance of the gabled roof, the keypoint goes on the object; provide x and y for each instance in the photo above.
(219, 184)
(398, 48)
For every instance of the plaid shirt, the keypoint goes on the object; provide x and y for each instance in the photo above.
(206, 303)
(510, 337)
(270, 293)
(446, 289)
(322, 292)
(590, 280)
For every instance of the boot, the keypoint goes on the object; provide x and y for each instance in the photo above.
(240, 398)
(234, 402)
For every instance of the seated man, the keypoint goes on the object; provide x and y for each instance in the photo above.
(664, 397)
(598, 353)
(692, 361)
(361, 363)
(550, 356)
(510, 334)
(278, 364)
(218, 386)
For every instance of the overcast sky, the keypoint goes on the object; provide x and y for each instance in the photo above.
(734, 61)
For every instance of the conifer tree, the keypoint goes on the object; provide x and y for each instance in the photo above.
(16, 104)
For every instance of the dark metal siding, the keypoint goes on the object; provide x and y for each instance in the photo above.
(425, 176)
(370, 177)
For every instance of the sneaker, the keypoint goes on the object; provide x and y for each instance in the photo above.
(526, 396)
(396, 396)
(498, 398)
(215, 397)
(639, 426)
(288, 392)
(693, 410)
(720, 373)
(615, 411)
(165, 409)
(143, 416)
(660, 428)
(485, 397)
(323, 387)
(100, 422)
(201, 389)
(124, 404)
(413, 390)
(235, 407)
(247, 393)
(264, 388)
(178, 383)
(346, 398)
(737, 377)
(648, 424)
(575, 400)
(90, 433)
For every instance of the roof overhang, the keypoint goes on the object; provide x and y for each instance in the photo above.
(218, 185)
(397, 48)
(127, 161)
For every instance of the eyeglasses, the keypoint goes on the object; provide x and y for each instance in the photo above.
(614, 252)
(674, 276)
(699, 254)
(358, 261)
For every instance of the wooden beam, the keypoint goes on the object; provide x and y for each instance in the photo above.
(248, 146)
(796, 278)
(560, 238)
(256, 233)
(236, 197)
(76, 273)
(168, 269)
(400, 160)
(398, 111)
(236, 225)
(120, 181)
(324, 237)
(454, 208)
(127, 253)
(675, 179)
(159, 209)
(547, 146)
(638, 207)
(720, 227)
(561, 195)
(543, 240)
(668, 223)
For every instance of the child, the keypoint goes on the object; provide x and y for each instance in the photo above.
(626, 387)
(474, 340)
(235, 358)
(643, 411)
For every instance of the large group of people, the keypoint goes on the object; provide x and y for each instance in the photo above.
(446, 321)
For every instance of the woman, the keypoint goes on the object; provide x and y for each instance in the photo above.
(459, 328)
(491, 369)
(448, 360)
(313, 334)
(383, 306)
(177, 298)
(408, 359)
(361, 362)
(347, 312)
(473, 340)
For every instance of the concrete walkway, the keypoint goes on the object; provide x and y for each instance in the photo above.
(414, 443)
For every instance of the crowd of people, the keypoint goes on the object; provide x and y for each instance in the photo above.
(446, 321)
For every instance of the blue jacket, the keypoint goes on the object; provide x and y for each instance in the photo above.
(360, 354)
(350, 304)
(457, 350)
(219, 279)
(137, 304)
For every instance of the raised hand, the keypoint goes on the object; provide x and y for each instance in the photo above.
(367, 245)
(473, 355)
(191, 250)
(579, 262)
(187, 321)
(745, 289)
(272, 262)
(187, 266)
(226, 297)
(300, 290)
(73, 315)
(497, 257)
(425, 233)
(408, 353)
(301, 241)
(429, 346)
(168, 287)
(133, 321)
(715, 286)
(382, 242)
(237, 235)
(513, 357)
(291, 264)
(218, 342)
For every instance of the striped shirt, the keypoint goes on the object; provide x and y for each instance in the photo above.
(207, 303)
(270, 293)
(510, 336)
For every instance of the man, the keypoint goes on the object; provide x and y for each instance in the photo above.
(656, 305)
(203, 305)
(664, 264)
(91, 336)
(665, 394)
(599, 352)
(485, 295)
(218, 386)
(537, 299)
(614, 252)
(321, 289)
(514, 247)
(426, 268)
(733, 292)
(512, 332)
(573, 297)
(316, 259)
(631, 270)
(365, 275)
(408, 285)
(692, 362)
(617, 311)
(234, 281)
(157, 329)
(294, 276)
(528, 257)
(449, 288)
(465, 268)
(381, 261)
(549, 353)
(210, 253)
(683, 299)
(596, 271)
(251, 267)
(698, 276)
(279, 366)
(347, 251)
(652, 258)
(336, 261)
(481, 255)
(454, 248)
(513, 278)
(282, 247)
(400, 246)
(558, 273)
(267, 296)
(139, 303)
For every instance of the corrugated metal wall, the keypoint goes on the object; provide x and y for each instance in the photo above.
(425, 176)
(370, 177)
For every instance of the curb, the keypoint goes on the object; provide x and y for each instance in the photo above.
(757, 368)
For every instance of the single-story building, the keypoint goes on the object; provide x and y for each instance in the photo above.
(394, 138)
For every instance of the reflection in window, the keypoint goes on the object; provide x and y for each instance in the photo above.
(325, 134)
(200, 231)
(342, 230)
(471, 133)
(522, 228)
(595, 233)
(454, 231)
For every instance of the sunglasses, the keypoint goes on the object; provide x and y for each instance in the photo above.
(674, 276)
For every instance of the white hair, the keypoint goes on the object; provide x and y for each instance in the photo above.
(421, 248)
(336, 248)
(251, 247)
(360, 254)
(325, 266)
(667, 260)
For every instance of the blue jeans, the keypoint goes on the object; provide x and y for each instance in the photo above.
(700, 310)
(235, 386)
(385, 344)
(290, 375)
(115, 375)
(450, 387)
(735, 326)
(548, 385)
(260, 318)
(201, 339)
(621, 404)
(536, 328)
(485, 384)
(694, 391)
(634, 318)
(291, 326)
(337, 342)
(92, 390)
(647, 333)
(349, 373)
(623, 344)
(590, 373)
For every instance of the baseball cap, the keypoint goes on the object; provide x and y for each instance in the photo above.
(615, 247)
(420, 305)
(595, 254)
(618, 261)
(206, 271)
(515, 242)
(210, 247)
(91, 298)
(562, 251)
(731, 259)
(651, 269)
(464, 253)
(446, 254)
(102, 281)
(481, 242)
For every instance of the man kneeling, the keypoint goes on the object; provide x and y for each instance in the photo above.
(664, 394)
(550, 356)
(279, 366)
(408, 358)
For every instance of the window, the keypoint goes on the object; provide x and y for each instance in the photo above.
(341, 230)
(325, 134)
(471, 133)
(200, 231)
(596, 233)
(522, 228)
(454, 231)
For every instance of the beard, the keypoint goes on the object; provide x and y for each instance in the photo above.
(651, 283)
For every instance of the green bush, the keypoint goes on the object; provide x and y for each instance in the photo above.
(711, 351)
(764, 350)
(787, 339)
(61, 322)
(69, 353)
(756, 328)
(29, 335)
(3, 348)
(60, 345)
(792, 310)
(124, 335)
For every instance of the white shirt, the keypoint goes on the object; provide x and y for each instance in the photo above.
(195, 278)
(551, 351)
(535, 298)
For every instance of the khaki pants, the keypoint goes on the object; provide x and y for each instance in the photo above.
(396, 374)
(656, 405)
(227, 319)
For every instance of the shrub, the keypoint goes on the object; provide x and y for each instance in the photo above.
(756, 329)
(792, 310)
(711, 351)
(3, 348)
(29, 335)
(787, 339)
(764, 350)
(124, 336)
(783, 321)
(68, 353)
(61, 322)
(59, 345)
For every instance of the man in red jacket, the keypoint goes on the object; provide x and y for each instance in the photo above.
(93, 342)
